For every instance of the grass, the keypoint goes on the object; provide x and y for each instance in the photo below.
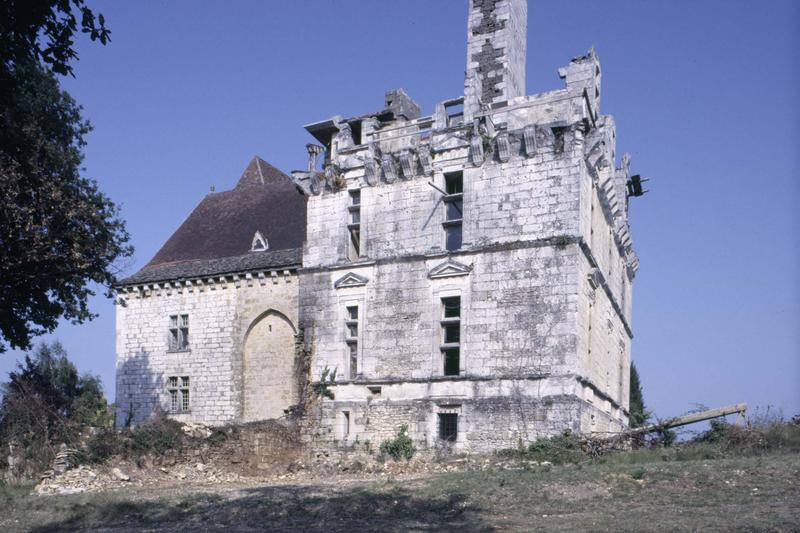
(639, 490)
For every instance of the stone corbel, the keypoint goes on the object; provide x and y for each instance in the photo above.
(529, 140)
(425, 160)
(503, 147)
(476, 149)
(407, 164)
(389, 168)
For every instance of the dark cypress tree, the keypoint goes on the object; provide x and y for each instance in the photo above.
(638, 413)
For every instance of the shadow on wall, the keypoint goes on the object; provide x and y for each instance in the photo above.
(285, 508)
(138, 390)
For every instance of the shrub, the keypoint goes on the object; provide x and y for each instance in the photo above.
(717, 432)
(156, 436)
(321, 387)
(558, 449)
(104, 444)
(400, 447)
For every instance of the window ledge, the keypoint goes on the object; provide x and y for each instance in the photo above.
(187, 350)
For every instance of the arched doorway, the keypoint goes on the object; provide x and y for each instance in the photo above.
(270, 384)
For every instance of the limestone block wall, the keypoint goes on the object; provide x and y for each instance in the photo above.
(524, 199)
(492, 414)
(540, 220)
(221, 313)
(518, 314)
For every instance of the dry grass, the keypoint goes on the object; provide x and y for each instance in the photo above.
(643, 491)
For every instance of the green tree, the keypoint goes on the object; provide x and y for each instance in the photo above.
(46, 402)
(59, 233)
(636, 408)
(44, 30)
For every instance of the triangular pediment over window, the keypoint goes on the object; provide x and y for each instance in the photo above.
(259, 244)
(448, 269)
(350, 280)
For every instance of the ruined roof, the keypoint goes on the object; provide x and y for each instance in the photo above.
(217, 236)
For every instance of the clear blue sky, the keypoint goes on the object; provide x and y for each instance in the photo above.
(705, 96)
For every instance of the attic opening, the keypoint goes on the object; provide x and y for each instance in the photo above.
(259, 244)
(355, 129)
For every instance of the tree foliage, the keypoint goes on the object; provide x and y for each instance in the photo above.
(637, 410)
(58, 232)
(44, 30)
(46, 402)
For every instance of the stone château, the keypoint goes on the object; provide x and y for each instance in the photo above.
(467, 273)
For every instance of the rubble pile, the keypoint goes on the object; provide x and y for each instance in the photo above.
(254, 453)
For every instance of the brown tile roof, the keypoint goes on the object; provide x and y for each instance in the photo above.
(218, 234)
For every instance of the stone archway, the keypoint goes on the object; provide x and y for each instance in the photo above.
(270, 383)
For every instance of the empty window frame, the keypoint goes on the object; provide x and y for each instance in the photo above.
(178, 332)
(354, 226)
(451, 335)
(454, 109)
(454, 210)
(448, 427)
(351, 339)
(346, 428)
(178, 388)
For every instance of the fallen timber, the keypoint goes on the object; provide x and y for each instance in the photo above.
(597, 445)
(691, 418)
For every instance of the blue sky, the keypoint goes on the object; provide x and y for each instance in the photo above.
(705, 95)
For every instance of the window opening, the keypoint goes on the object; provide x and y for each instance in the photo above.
(354, 226)
(451, 335)
(178, 388)
(454, 210)
(178, 332)
(351, 339)
(448, 427)
(355, 130)
(455, 112)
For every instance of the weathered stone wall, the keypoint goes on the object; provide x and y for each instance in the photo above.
(519, 311)
(220, 316)
(543, 275)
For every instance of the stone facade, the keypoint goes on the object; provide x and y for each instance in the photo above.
(542, 274)
(237, 327)
(466, 274)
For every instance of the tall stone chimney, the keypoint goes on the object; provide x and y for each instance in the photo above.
(496, 38)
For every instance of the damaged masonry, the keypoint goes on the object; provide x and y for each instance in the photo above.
(467, 274)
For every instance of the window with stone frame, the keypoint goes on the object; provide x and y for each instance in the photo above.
(454, 209)
(178, 333)
(354, 226)
(448, 427)
(351, 339)
(450, 324)
(178, 389)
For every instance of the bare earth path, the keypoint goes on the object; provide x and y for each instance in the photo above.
(750, 493)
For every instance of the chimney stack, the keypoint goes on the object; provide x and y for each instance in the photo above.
(496, 41)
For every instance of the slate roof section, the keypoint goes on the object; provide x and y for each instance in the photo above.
(203, 268)
(217, 236)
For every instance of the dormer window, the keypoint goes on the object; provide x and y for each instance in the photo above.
(259, 244)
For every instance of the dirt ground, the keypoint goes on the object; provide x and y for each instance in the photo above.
(758, 493)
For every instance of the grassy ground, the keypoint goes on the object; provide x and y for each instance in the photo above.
(641, 491)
